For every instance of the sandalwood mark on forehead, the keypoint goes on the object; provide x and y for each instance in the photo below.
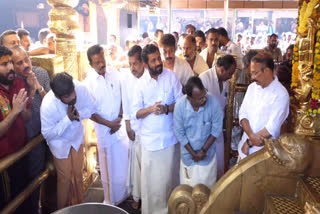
(5, 59)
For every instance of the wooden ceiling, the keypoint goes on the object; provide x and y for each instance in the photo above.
(238, 4)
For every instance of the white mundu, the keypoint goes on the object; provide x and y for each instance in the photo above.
(113, 148)
(128, 84)
(264, 108)
(160, 151)
(182, 69)
(210, 81)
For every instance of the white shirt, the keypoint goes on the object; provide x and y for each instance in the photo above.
(182, 69)
(60, 132)
(157, 130)
(199, 65)
(264, 108)
(107, 92)
(233, 49)
(210, 81)
(204, 54)
(128, 85)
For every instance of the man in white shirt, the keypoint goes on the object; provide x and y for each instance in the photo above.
(104, 84)
(229, 47)
(215, 80)
(156, 94)
(179, 66)
(209, 54)
(190, 54)
(265, 106)
(62, 110)
(128, 84)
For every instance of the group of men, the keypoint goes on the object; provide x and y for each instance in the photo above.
(158, 124)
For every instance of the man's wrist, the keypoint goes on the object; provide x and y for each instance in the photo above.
(248, 143)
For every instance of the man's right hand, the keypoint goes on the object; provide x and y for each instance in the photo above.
(19, 101)
(115, 125)
(72, 113)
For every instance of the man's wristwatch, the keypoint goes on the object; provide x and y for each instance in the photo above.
(167, 109)
(248, 143)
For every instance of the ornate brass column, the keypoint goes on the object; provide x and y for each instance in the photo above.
(64, 23)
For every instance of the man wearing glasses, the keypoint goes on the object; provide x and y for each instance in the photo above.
(265, 106)
(197, 123)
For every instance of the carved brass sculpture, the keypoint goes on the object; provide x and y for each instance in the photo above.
(290, 151)
(188, 200)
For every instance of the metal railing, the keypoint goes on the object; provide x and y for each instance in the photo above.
(8, 161)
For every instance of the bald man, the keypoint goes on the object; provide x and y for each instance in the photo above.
(190, 54)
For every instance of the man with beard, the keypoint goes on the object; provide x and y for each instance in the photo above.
(62, 111)
(265, 106)
(197, 124)
(13, 113)
(128, 84)
(215, 80)
(190, 54)
(156, 94)
(209, 54)
(272, 48)
(39, 79)
(179, 66)
(105, 85)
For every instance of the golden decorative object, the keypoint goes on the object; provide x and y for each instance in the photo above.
(63, 3)
(272, 170)
(290, 151)
(51, 63)
(64, 21)
(187, 200)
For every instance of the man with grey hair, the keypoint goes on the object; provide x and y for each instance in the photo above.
(40, 79)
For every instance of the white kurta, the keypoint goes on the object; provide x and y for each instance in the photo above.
(113, 149)
(182, 69)
(264, 108)
(210, 81)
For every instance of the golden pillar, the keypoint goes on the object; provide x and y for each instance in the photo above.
(64, 23)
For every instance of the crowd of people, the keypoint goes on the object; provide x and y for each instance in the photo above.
(158, 109)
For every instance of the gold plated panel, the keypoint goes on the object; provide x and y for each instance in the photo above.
(51, 63)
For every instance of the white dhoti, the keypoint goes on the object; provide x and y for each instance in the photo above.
(113, 162)
(199, 174)
(159, 176)
(134, 169)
